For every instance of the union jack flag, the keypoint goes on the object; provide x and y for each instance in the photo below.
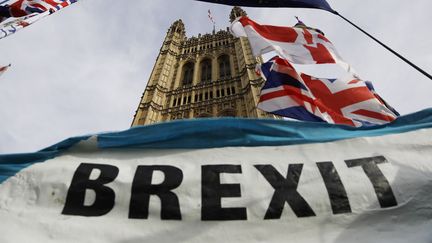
(18, 14)
(299, 44)
(211, 17)
(347, 100)
(25, 7)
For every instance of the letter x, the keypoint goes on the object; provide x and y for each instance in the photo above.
(285, 191)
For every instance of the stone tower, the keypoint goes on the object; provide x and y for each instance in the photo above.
(212, 75)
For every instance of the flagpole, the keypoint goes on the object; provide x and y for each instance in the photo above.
(386, 47)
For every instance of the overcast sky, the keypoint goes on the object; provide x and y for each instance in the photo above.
(83, 70)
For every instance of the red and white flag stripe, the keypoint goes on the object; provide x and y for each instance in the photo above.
(297, 45)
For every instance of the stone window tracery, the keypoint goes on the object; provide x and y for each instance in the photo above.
(224, 67)
(206, 70)
(188, 71)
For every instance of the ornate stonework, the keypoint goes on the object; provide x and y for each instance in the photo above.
(236, 12)
(211, 75)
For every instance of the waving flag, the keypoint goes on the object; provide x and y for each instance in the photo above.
(298, 45)
(319, 4)
(22, 13)
(3, 69)
(347, 100)
(211, 17)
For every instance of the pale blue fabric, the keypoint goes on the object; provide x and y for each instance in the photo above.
(221, 132)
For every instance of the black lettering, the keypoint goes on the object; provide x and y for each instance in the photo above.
(335, 189)
(381, 185)
(285, 191)
(105, 196)
(142, 189)
(213, 191)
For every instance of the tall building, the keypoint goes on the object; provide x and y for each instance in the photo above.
(212, 75)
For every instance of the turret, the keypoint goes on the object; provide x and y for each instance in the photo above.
(177, 27)
(237, 12)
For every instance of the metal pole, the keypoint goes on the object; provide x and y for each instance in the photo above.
(388, 48)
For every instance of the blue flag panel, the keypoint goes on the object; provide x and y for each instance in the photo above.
(320, 4)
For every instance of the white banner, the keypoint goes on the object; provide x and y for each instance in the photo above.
(368, 189)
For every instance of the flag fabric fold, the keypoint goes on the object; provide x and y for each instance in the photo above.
(347, 100)
(297, 45)
(318, 4)
(16, 15)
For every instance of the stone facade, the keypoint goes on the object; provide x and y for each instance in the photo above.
(212, 75)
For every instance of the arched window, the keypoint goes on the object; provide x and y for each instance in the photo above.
(188, 70)
(224, 67)
(206, 70)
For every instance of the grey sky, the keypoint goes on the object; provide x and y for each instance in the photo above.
(83, 70)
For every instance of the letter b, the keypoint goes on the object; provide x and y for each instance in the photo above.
(104, 198)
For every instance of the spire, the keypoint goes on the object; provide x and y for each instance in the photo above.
(236, 12)
(178, 27)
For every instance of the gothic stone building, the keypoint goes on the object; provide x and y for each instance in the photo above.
(212, 75)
